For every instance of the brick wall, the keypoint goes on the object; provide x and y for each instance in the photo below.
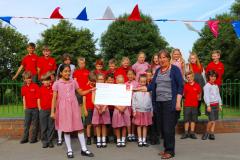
(13, 128)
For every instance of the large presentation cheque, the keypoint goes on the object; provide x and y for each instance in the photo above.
(113, 94)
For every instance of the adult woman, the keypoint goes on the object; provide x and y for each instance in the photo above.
(167, 88)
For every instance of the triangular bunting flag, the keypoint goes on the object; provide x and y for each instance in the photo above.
(83, 15)
(7, 19)
(108, 14)
(55, 14)
(190, 27)
(36, 20)
(213, 25)
(236, 27)
(135, 15)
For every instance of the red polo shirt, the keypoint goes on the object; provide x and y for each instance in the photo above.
(196, 69)
(191, 93)
(122, 71)
(219, 68)
(81, 76)
(89, 99)
(45, 96)
(31, 93)
(45, 65)
(29, 63)
(100, 71)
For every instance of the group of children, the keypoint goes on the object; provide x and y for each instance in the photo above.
(58, 104)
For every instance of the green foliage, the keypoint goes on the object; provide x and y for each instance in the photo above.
(12, 49)
(65, 38)
(227, 42)
(127, 38)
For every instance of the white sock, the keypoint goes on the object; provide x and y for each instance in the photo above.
(98, 139)
(118, 140)
(144, 139)
(129, 135)
(103, 139)
(123, 139)
(82, 141)
(140, 139)
(68, 142)
(59, 135)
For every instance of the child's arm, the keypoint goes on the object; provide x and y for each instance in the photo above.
(18, 71)
(54, 99)
(219, 100)
(24, 102)
(84, 92)
(206, 97)
(134, 103)
(85, 107)
(39, 104)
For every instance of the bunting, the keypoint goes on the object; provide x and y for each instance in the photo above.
(236, 27)
(7, 19)
(213, 25)
(83, 15)
(135, 15)
(190, 27)
(55, 14)
(108, 14)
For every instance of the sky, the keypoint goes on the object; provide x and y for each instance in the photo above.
(175, 33)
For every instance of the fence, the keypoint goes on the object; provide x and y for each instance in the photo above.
(11, 101)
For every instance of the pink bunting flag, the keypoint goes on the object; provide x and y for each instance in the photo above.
(135, 15)
(213, 25)
(55, 14)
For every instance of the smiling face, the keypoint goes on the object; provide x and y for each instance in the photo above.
(28, 80)
(212, 79)
(155, 60)
(164, 61)
(81, 64)
(215, 57)
(99, 67)
(111, 66)
(190, 78)
(30, 49)
(141, 58)
(176, 55)
(46, 83)
(100, 79)
(142, 81)
(193, 59)
(65, 74)
(125, 63)
(46, 52)
(110, 80)
(130, 75)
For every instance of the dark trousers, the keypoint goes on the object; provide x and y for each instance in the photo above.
(47, 126)
(155, 127)
(168, 120)
(31, 117)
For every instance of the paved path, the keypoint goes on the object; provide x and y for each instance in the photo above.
(225, 147)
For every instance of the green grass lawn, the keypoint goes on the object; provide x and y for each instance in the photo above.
(16, 111)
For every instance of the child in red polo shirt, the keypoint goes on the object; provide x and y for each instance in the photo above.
(123, 69)
(192, 92)
(217, 66)
(29, 63)
(44, 105)
(30, 94)
(45, 63)
(81, 76)
(88, 105)
(111, 66)
(99, 67)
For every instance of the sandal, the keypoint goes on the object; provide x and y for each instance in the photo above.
(87, 153)
(167, 156)
(70, 154)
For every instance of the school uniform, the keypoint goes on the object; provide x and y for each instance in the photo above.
(131, 84)
(140, 68)
(46, 64)
(31, 94)
(89, 104)
(121, 119)
(103, 118)
(191, 93)
(29, 63)
(121, 71)
(213, 99)
(46, 122)
(219, 68)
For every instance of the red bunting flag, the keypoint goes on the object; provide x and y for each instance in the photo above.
(55, 14)
(135, 15)
(213, 25)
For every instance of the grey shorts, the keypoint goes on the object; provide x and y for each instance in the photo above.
(213, 115)
(190, 114)
(79, 98)
(88, 119)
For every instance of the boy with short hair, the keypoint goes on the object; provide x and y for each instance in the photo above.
(44, 106)
(192, 92)
(216, 65)
(213, 101)
(45, 63)
(29, 63)
(30, 94)
(111, 66)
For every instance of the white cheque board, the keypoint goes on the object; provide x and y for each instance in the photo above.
(113, 94)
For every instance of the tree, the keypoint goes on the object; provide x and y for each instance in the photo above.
(12, 49)
(227, 42)
(65, 38)
(127, 38)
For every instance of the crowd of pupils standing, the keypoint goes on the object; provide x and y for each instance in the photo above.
(156, 101)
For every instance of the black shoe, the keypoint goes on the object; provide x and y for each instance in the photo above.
(205, 136)
(24, 141)
(87, 153)
(95, 140)
(118, 144)
(123, 144)
(211, 137)
(44, 145)
(59, 142)
(129, 139)
(99, 145)
(89, 141)
(104, 144)
(134, 139)
(140, 143)
(184, 136)
(70, 154)
(50, 145)
(145, 144)
(193, 136)
(34, 141)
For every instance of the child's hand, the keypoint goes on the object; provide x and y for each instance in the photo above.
(220, 108)
(14, 77)
(209, 109)
(178, 106)
(152, 114)
(134, 114)
(93, 89)
(85, 113)
(52, 115)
